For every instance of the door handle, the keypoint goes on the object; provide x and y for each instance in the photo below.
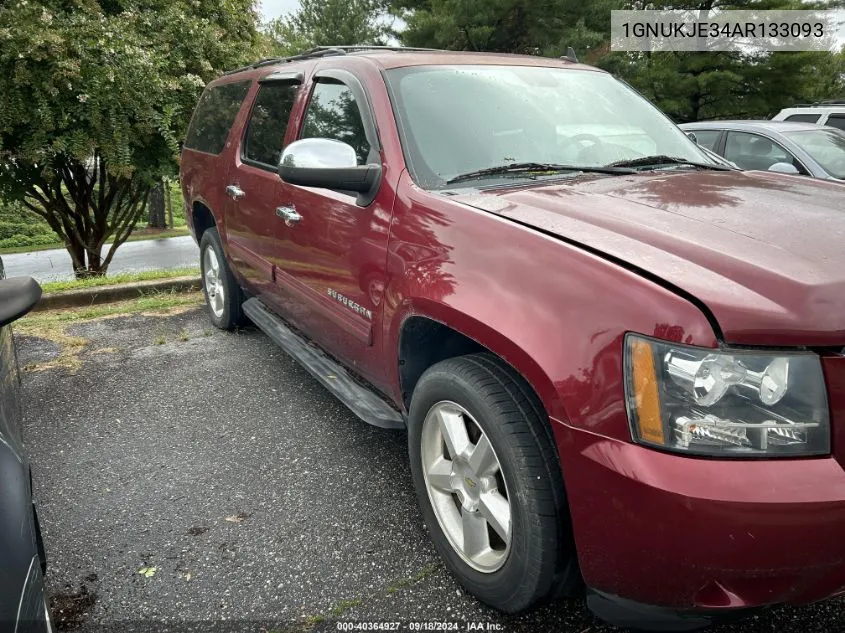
(235, 192)
(288, 214)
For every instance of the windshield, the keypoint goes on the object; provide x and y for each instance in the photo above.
(826, 147)
(460, 119)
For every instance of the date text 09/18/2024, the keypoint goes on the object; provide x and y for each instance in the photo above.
(417, 626)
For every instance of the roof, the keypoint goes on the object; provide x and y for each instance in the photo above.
(396, 57)
(758, 125)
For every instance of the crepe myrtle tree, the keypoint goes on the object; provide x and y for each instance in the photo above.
(328, 23)
(95, 97)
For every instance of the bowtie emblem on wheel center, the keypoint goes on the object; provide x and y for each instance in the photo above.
(470, 482)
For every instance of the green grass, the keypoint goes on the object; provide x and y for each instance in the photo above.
(340, 608)
(151, 302)
(344, 605)
(424, 573)
(120, 278)
(53, 325)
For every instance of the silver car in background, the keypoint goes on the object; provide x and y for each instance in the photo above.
(782, 146)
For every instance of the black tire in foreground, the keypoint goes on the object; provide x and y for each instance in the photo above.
(223, 295)
(488, 481)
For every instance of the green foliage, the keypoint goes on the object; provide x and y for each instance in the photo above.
(687, 86)
(693, 86)
(328, 22)
(95, 97)
(540, 27)
(700, 86)
(19, 227)
(121, 77)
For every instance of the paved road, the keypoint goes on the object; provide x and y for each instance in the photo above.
(254, 494)
(54, 265)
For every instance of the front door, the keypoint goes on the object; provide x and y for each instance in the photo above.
(254, 185)
(333, 272)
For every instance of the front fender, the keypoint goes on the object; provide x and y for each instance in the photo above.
(556, 313)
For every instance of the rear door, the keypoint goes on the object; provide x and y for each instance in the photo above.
(253, 184)
(332, 276)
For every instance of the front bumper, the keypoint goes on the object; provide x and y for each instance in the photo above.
(695, 535)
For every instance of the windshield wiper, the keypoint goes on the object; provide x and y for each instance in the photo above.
(521, 168)
(661, 160)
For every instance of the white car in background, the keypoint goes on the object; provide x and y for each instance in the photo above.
(830, 113)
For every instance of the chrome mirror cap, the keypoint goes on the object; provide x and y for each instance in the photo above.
(318, 153)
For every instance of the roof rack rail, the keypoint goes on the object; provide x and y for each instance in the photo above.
(354, 48)
(820, 104)
(326, 51)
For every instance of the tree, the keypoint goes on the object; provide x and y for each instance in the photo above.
(329, 22)
(693, 86)
(699, 86)
(95, 96)
(156, 207)
(539, 27)
(689, 86)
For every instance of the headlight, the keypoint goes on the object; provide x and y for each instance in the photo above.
(732, 403)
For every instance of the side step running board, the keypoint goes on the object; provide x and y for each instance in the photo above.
(364, 403)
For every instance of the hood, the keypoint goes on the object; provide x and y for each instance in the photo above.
(765, 253)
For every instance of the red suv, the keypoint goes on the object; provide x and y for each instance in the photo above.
(619, 361)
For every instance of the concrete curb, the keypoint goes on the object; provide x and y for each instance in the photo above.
(117, 292)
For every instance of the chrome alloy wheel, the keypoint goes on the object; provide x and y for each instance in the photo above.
(213, 281)
(466, 486)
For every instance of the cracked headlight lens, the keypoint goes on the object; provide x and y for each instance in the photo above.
(725, 402)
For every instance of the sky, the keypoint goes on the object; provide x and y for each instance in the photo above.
(274, 8)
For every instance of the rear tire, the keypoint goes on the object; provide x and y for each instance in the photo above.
(512, 481)
(223, 296)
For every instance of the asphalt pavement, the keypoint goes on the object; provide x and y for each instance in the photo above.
(186, 475)
(55, 265)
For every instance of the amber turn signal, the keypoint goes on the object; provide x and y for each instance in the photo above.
(646, 398)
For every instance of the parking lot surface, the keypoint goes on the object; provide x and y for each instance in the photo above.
(186, 475)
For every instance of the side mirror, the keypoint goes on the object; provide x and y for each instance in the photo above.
(18, 296)
(692, 137)
(329, 164)
(784, 168)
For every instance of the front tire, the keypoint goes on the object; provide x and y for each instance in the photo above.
(223, 296)
(489, 484)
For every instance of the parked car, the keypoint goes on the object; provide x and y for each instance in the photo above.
(831, 113)
(619, 361)
(23, 603)
(785, 147)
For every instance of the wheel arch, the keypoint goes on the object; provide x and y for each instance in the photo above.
(426, 324)
(202, 218)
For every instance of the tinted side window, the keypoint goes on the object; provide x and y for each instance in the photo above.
(268, 122)
(214, 115)
(333, 113)
(836, 120)
(707, 138)
(803, 118)
(752, 151)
